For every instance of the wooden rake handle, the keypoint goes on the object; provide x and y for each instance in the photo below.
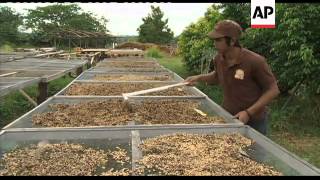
(126, 95)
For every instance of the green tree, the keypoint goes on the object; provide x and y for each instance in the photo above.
(9, 24)
(239, 12)
(45, 21)
(298, 48)
(291, 48)
(154, 29)
(195, 46)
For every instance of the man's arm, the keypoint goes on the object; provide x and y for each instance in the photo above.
(210, 78)
(265, 99)
(266, 80)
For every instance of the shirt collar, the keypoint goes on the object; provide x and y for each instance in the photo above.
(237, 61)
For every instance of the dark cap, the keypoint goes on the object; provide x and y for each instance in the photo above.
(226, 28)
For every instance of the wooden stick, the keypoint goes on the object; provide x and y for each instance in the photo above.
(28, 97)
(66, 54)
(97, 53)
(48, 54)
(95, 50)
(126, 95)
(7, 74)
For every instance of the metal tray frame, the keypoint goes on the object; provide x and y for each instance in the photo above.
(91, 75)
(25, 121)
(8, 84)
(269, 152)
(195, 91)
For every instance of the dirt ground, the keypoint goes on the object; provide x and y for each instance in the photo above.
(305, 146)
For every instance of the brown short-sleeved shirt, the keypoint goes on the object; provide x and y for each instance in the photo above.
(243, 82)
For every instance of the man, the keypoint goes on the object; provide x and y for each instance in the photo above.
(246, 79)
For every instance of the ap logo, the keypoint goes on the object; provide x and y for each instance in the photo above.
(263, 14)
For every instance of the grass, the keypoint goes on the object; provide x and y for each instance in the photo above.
(15, 104)
(58, 84)
(175, 64)
(306, 147)
(296, 128)
(154, 52)
(6, 48)
(9, 47)
(214, 92)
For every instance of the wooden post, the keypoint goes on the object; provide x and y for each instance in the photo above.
(88, 65)
(59, 42)
(69, 45)
(79, 70)
(43, 92)
(55, 43)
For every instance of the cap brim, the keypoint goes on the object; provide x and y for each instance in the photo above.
(214, 34)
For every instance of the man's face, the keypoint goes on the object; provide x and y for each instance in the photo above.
(221, 44)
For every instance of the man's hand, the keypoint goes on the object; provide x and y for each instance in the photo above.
(243, 116)
(192, 80)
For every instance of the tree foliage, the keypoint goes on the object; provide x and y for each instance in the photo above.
(45, 21)
(239, 12)
(154, 29)
(292, 49)
(195, 46)
(9, 24)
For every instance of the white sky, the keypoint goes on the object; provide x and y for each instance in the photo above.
(125, 18)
